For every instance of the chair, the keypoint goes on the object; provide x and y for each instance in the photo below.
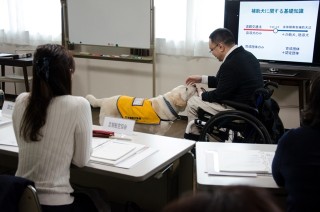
(29, 200)
(18, 194)
(245, 124)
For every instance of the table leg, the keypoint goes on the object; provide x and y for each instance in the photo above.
(25, 75)
(186, 174)
(2, 74)
(301, 95)
(307, 90)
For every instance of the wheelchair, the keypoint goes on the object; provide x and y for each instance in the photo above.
(245, 124)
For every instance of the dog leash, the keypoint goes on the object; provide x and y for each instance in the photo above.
(171, 108)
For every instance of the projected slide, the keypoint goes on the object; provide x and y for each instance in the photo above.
(277, 30)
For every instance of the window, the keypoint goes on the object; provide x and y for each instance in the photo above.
(182, 26)
(30, 22)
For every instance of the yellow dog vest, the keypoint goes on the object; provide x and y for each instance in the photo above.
(137, 109)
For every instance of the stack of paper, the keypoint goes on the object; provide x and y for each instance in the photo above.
(239, 163)
(120, 153)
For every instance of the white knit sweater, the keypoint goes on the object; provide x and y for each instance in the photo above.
(67, 136)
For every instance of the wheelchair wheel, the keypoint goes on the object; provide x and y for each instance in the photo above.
(235, 126)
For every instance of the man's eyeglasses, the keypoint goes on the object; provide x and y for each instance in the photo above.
(211, 50)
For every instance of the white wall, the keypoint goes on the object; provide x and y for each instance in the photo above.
(104, 78)
(288, 100)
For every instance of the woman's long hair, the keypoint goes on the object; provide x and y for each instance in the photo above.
(53, 66)
(311, 115)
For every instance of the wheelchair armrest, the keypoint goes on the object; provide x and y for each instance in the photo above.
(241, 106)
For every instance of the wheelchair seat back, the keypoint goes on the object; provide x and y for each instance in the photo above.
(269, 111)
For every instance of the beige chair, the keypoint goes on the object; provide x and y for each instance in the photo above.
(29, 201)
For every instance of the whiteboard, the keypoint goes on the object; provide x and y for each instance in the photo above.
(124, 23)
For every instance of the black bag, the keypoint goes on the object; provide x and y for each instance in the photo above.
(269, 115)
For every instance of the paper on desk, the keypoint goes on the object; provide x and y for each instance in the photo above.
(243, 161)
(4, 120)
(99, 141)
(7, 109)
(136, 158)
(114, 151)
(236, 165)
(127, 161)
(8, 138)
(268, 160)
(212, 166)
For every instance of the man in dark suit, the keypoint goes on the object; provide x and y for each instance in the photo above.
(237, 78)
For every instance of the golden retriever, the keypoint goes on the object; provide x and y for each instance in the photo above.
(166, 107)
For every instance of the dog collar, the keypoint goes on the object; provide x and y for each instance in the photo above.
(171, 108)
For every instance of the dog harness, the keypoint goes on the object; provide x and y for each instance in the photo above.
(138, 109)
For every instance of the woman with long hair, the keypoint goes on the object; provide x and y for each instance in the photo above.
(53, 130)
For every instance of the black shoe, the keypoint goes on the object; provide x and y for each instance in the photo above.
(191, 136)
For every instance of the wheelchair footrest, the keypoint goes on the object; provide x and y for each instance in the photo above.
(191, 136)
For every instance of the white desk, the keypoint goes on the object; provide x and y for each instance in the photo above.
(206, 182)
(138, 183)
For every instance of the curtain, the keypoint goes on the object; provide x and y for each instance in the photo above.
(30, 22)
(183, 26)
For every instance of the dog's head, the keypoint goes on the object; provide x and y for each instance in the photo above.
(180, 95)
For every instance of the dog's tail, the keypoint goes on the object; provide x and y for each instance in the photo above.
(94, 101)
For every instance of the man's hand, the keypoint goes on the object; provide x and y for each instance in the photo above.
(191, 80)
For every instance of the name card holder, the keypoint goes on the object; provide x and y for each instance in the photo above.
(119, 125)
